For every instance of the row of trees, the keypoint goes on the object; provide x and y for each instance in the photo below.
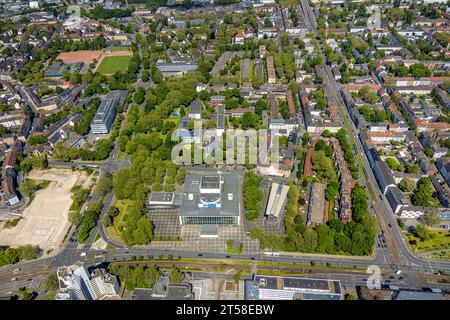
(101, 13)
(89, 221)
(98, 43)
(252, 195)
(348, 152)
(143, 276)
(79, 197)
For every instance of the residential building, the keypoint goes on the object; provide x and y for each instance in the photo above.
(383, 175)
(195, 109)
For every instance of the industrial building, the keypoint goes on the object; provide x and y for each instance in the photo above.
(291, 288)
(211, 199)
(277, 198)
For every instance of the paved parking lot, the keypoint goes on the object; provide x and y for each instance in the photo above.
(166, 222)
(192, 241)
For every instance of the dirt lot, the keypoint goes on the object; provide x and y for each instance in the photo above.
(45, 220)
(86, 56)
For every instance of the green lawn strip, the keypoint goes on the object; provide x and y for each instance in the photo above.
(439, 240)
(441, 255)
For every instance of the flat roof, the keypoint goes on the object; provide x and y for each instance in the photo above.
(418, 295)
(228, 200)
(105, 108)
(210, 182)
(209, 229)
(314, 286)
(162, 197)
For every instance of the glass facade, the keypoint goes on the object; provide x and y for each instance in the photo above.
(210, 220)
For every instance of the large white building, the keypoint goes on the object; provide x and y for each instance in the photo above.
(75, 283)
(292, 288)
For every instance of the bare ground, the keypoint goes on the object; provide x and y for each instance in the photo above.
(45, 221)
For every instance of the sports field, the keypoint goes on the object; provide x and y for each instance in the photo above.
(110, 65)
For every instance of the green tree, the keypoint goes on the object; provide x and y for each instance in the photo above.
(407, 185)
(422, 232)
(431, 219)
(252, 195)
(423, 194)
(28, 252)
(104, 184)
(175, 275)
(260, 106)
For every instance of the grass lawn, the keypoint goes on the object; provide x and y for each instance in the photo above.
(50, 296)
(230, 248)
(440, 240)
(115, 230)
(117, 48)
(442, 255)
(110, 65)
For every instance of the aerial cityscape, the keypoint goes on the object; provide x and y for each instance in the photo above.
(225, 150)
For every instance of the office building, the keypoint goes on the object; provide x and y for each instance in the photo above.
(104, 118)
(211, 199)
